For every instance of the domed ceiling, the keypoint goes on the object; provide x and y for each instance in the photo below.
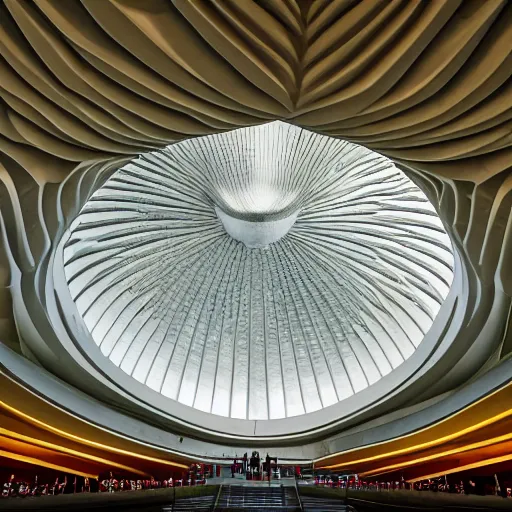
(262, 273)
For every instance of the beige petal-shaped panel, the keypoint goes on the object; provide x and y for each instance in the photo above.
(87, 85)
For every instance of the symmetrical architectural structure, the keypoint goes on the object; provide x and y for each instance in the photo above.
(281, 224)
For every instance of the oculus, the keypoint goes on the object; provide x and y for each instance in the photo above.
(262, 273)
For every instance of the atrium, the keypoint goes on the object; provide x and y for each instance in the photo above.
(278, 226)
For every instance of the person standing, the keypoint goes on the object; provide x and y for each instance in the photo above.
(8, 487)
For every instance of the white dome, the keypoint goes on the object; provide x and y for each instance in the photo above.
(258, 274)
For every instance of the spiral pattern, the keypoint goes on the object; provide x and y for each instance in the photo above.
(345, 296)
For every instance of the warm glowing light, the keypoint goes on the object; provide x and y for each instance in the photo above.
(89, 442)
(427, 444)
(479, 464)
(44, 464)
(462, 449)
(70, 451)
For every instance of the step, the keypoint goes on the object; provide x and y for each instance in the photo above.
(199, 503)
(312, 504)
(267, 499)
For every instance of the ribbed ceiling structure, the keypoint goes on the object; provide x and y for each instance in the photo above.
(87, 86)
(259, 331)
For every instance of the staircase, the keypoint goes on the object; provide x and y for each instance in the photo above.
(258, 499)
(313, 504)
(199, 503)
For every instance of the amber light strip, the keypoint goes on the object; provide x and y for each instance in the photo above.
(70, 451)
(87, 441)
(44, 464)
(459, 469)
(440, 440)
(462, 449)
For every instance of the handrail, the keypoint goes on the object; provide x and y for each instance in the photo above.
(217, 498)
(298, 496)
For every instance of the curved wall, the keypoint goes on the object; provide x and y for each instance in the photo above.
(481, 402)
